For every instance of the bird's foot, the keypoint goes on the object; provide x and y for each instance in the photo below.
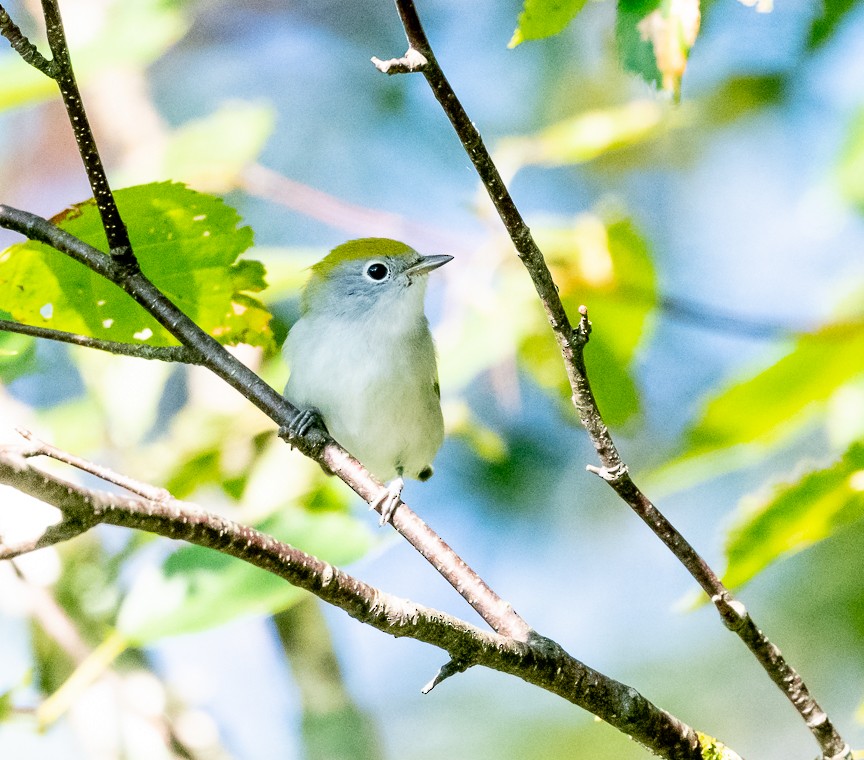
(301, 425)
(388, 500)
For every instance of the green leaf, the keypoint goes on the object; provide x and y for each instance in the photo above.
(608, 267)
(187, 243)
(766, 407)
(17, 353)
(654, 38)
(210, 153)
(793, 516)
(826, 24)
(130, 33)
(544, 18)
(584, 137)
(199, 588)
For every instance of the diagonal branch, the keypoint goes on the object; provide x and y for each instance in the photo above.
(317, 445)
(115, 227)
(59, 68)
(537, 660)
(571, 344)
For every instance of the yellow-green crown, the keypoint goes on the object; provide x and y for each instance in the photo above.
(353, 250)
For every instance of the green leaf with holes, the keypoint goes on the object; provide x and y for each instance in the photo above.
(792, 516)
(186, 242)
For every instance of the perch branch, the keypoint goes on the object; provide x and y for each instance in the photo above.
(537, 660)
(317, 445)
(571, 344)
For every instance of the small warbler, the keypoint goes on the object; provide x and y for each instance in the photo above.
(363, 362)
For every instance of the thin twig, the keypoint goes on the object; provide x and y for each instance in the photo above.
(538, 660)
(572, 343)
(115, 227)
(179, 354)
(41, 448)
(21, 45)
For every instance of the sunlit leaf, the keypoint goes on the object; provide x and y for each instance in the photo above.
(771, 404)
(584, 137)
(199, 588)
(795, 515)
(187, 243)
(210, 153)
(130, 33)
(544, 18)
(655, 37)
(608, 267)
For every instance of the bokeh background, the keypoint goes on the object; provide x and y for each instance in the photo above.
(704, 236)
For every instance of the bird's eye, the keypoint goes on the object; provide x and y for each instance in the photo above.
(377, 271)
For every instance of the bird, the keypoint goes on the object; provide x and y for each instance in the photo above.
(362, 361)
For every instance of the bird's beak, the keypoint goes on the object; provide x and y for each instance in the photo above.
(427, 264)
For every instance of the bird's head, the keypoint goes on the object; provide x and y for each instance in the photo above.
(369, 274)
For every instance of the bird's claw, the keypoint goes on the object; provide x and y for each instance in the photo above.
(388, 500)
(302, 424)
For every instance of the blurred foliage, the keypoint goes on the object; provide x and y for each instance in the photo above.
(816, 384)
(197, 588)
(753, 410)
(334, 726)
(187, 244)
(789, 517)
(210, 153)
(585, 136)
(826, 23)
(607, 266)
(129, 33)
(851, 162)
(654, 37)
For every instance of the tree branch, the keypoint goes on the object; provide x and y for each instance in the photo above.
(179, 354)
(537, 660)
(63, 74)
(21, 45)
(316, 445)
(571, 344)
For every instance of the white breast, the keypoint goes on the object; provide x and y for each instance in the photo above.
(375, 385)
